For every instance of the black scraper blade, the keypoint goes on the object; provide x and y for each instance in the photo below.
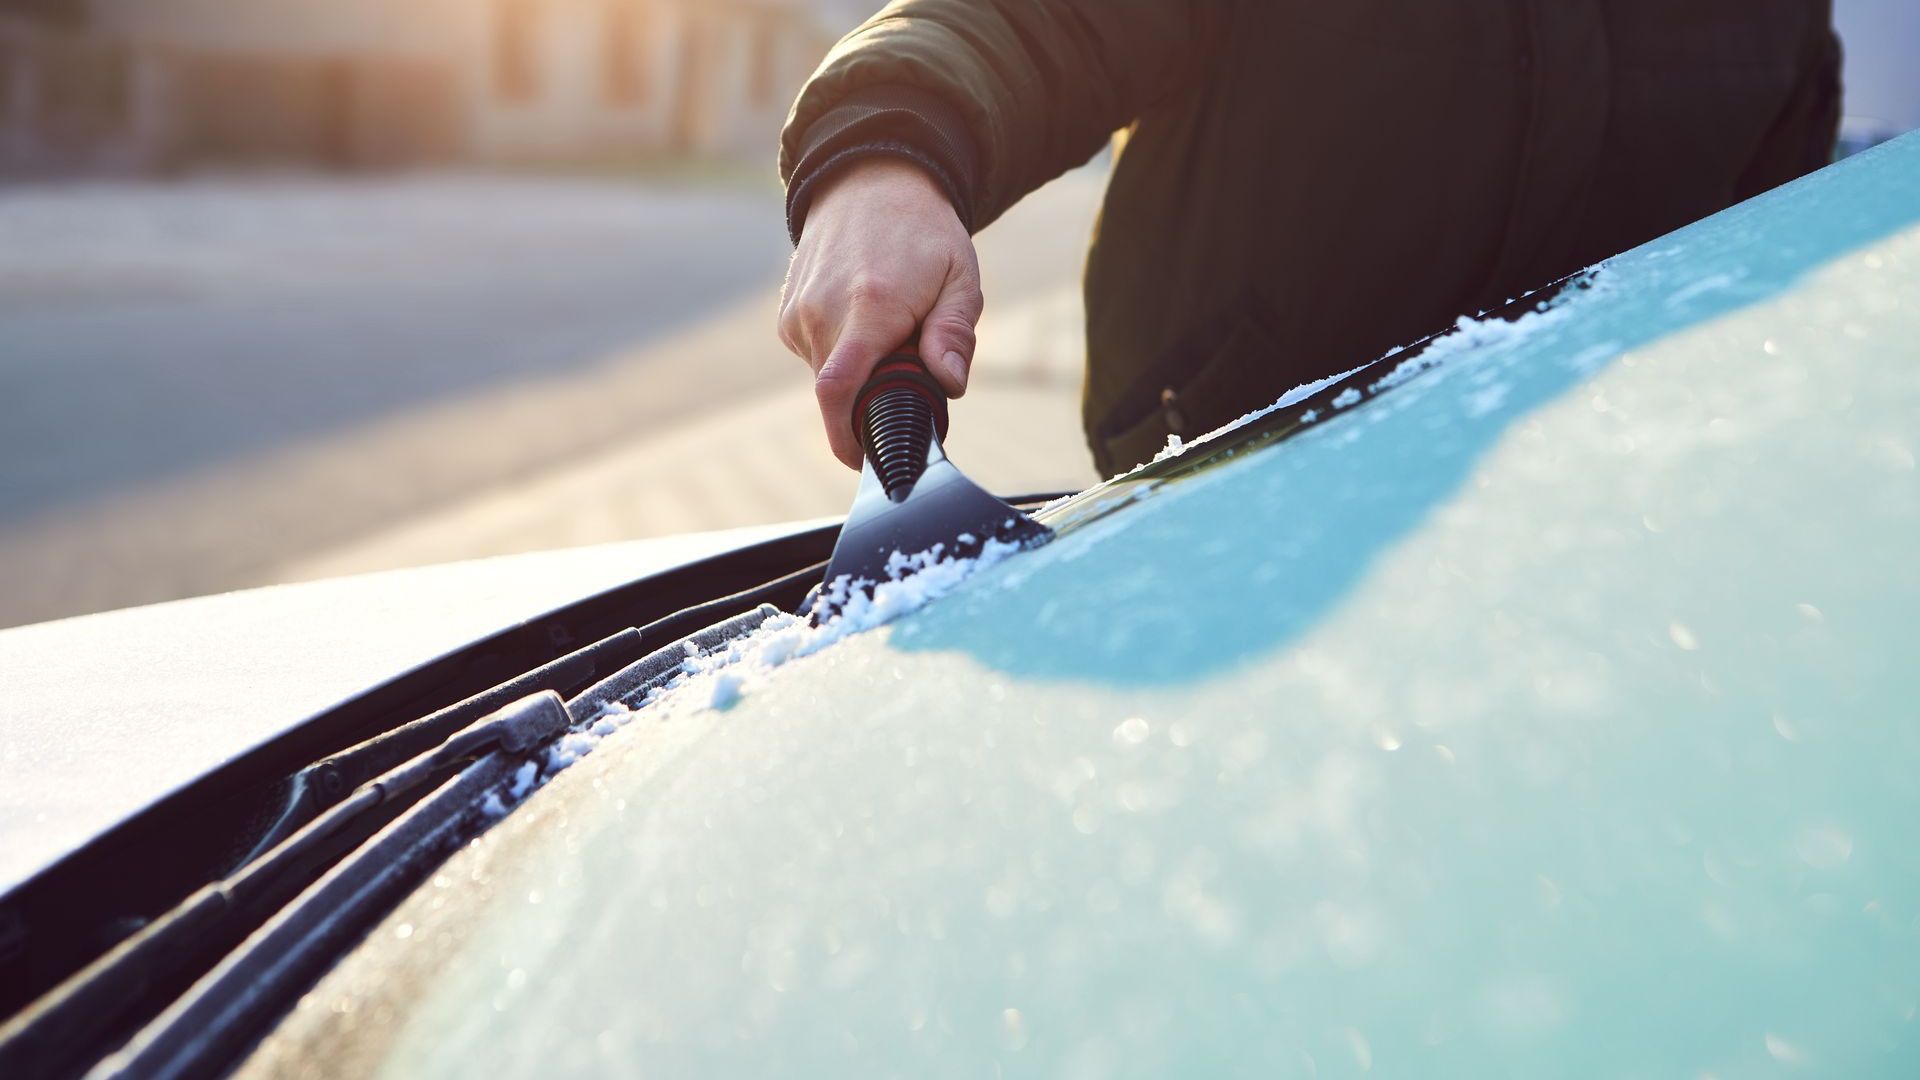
(912, 499)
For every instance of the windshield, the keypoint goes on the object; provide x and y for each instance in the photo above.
(1545, 716)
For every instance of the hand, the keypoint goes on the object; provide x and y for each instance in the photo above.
(882, 253)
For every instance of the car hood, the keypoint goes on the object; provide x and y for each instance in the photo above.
(104, 714)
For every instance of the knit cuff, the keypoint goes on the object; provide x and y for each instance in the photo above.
(903, 122)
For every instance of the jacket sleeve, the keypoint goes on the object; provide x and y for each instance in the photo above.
(993, 97)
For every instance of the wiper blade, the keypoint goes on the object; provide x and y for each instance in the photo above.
(326, 782)
(214, 1022)
(256, 940)
(63, 1033)
(92, 969)
(77, 910)
(630, 684)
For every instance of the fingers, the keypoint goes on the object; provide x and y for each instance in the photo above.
(947, 334)
(807, 326)
(884, 254)
(870, 333)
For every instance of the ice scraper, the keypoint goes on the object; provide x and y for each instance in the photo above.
(911, 498)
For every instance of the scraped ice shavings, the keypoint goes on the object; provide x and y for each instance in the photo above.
(1469, 334)
(913, 581)
(729, 673)
(1472, 335)
(1177, 446)
(726, 689)
(719, 679)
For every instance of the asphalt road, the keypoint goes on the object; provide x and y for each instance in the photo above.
(203, 383)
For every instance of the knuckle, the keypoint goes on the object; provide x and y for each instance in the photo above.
(955, 327)
(871, 293)
(971, 298)
(835, 380)
(789, 327)
(816, 337)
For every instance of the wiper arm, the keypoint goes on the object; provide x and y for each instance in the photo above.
(323, 783)
(63, 1033)
(257, 939)
(301, 941)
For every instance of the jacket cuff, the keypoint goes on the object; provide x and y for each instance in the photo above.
(885, 121)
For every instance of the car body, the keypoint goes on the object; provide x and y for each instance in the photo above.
(1535, 701)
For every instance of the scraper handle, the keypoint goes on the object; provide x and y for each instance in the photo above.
(903, 370)
(895, 416)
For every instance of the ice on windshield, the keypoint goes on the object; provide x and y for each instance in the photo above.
(1547, 715)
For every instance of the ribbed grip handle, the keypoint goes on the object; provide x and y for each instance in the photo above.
(897, 413)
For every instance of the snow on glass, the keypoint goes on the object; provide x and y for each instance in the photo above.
(720, 678)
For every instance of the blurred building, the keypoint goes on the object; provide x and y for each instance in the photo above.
(708, 77)
(137, 86)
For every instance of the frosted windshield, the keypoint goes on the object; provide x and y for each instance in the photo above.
(1552, 714)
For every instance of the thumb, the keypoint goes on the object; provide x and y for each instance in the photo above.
(946, 335)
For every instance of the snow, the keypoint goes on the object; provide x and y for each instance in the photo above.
(727, 687)
(523, 780)
(720, 679)
(1484, 335)
(1469, 336)
(1176, 446)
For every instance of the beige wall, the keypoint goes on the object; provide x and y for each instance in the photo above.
(696, 61)
(566, 110)
(302, 27)
(386, 82)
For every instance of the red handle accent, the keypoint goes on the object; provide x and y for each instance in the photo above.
(901, 369)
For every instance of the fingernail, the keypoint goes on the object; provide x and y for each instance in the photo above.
(956, 366)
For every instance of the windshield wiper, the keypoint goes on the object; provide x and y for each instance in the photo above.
(98, 970)
(64, 1033)
(256, 939)
(76, 910)
(227, 1012)
(308, 930)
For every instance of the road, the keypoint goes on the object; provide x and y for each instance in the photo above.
(224, 383)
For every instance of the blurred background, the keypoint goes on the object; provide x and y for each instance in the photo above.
(297, 288)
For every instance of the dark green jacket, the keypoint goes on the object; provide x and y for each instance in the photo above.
(1306, 184)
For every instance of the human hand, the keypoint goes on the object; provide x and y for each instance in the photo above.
(882, 253)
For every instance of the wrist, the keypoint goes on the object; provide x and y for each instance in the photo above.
(902, 175)
(893, 182)
(902, 122)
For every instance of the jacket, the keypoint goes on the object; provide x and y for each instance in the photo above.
(1301, 186)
